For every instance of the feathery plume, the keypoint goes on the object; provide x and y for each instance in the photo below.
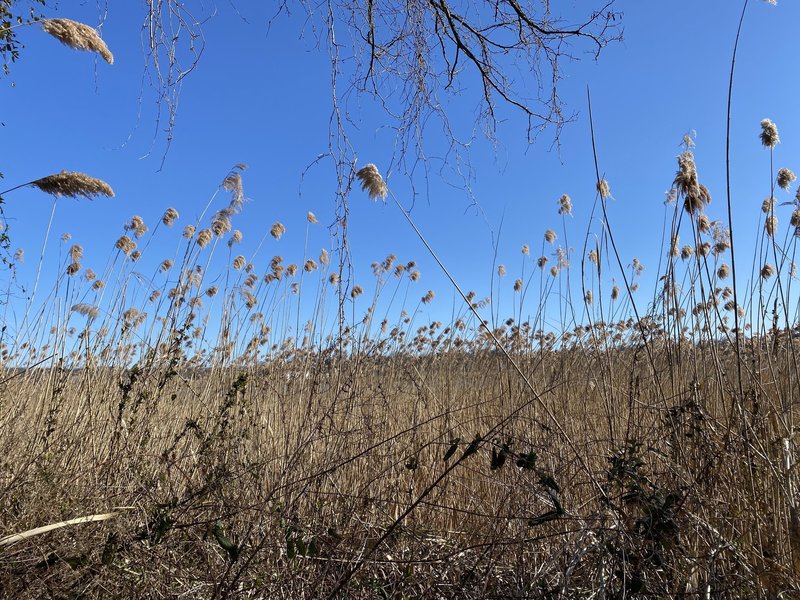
(604, 189)
(428, 298)
(372, 182)
(550, 236)
(565, 205)
(356, 292)
(518, 285)
(73, 185)
(277, 230)
(188, 231)
(78, 36)
(501, 271)
(126, 245)
(239, 262)
(785, 178)
(170, 216)
(204, 237)
(769, 134)
(311, 218)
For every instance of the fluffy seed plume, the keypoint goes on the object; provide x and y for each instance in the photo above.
(125, 244)
(785, 178)
(723, 271)
(501, 271)
(604, 189)
(767, 271)
(312, 218)
(771, 225)
(518, 285)
(170, 216)
(78, 36)
(550, 236)
(73, 185)
(204, 237)
(428, 298)
(769, 134)
(277, 230)
(565, 205)
(372, 182)
(188, 231)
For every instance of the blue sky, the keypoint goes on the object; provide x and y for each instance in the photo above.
(263, 98)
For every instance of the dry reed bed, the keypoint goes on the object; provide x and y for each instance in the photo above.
(301, 465)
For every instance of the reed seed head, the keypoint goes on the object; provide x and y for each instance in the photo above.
(550, 236)
(604, 189)
(204, 237)
(501, 271)
(518, 285)
(771, 225)
(614, 292)
(78, 36)
(428, 297)
(76, 252)
(166, 265)
(325, 259)
(277, 230)
(767, 271)
(310, 265)
(785, 178)
(73, 185)
(723, 271)
(125, 245)
(239, 262)
(565, 205)
(221, 223)
(356, 292)
(170, 216)
(686, 252)
(311, 218)
(372, 182)
(769, 134)
(334, 278)
(188, 231)
(137, 226)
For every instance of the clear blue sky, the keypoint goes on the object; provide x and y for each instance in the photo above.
(263, 98)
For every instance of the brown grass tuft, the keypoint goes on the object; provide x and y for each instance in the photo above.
(78, 36)
(372, 182)
(73, 185)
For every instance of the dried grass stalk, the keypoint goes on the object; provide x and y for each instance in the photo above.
(73, 185)
(78, 36)
(18, 537)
